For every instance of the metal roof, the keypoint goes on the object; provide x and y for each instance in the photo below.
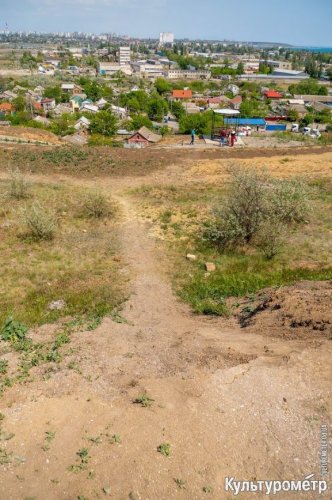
(229, 112)
(245, 121)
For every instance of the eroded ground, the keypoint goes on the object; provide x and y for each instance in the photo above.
(230, 401)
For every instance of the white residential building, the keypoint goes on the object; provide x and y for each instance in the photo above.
(147, 69)
(110, 68)
(166, 38)
(124, 56)
(188, 74)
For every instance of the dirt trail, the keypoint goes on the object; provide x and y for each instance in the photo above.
(228, 402)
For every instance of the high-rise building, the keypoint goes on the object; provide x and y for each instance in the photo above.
(124, 56)
(166, 38)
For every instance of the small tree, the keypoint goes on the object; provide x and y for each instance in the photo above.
(104, 123)
(257, 210)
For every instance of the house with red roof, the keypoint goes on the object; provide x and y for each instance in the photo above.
(6, 108)
(179, 95)
(235, 103)
(272, 94)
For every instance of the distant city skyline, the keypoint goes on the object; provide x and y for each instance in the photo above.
(296, 22)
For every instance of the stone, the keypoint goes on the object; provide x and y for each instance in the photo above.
(57, 305)
(191, 257)
(210, 267)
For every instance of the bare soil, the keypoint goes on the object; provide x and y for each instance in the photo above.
(230, 401)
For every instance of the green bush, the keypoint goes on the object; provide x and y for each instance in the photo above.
(13, 331)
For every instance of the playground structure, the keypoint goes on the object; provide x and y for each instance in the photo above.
(219, 121)
(229, 119)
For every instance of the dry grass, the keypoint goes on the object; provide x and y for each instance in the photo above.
(77, 266)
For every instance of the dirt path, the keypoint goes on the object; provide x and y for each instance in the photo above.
(229, 403)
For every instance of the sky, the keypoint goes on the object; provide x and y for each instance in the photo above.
(298, 22)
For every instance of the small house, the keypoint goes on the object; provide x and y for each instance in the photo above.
(48, 104)
(76, 102)
(143, 138)
(6, 108)
(90, 108)
(233, 88)
(272, 94)
(82, 124)
(180, 95)
(236, 102)
(71, 88)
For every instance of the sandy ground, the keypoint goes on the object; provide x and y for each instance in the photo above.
(28, 134)
(231, 401)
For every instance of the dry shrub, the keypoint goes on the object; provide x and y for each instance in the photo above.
(96, 205)
(257, 211)
(40, 221)
(19, 186)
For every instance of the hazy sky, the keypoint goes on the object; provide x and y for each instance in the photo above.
(302, 22)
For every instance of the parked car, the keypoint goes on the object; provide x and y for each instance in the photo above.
(311, 132)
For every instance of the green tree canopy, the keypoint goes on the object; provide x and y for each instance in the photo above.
(104, 123)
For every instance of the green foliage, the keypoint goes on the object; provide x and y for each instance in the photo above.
(178, 109)
(251, 108)
(41, 222)
(53, 93)
(67, 155)
(19, 118)
(103, 140)
(144, 400)
(3, 366)
(165, 130)
(104, 123)
(84, 458)
(138, 121)
(13, 331)
(19, 103)
(264, 68)
(241, 275)
(93, 90)
(157, 108)
(162, 86)
(309, 86)
(28, 61)
(135, 101)
(164, 449)
(293, 115)
(63, 125)
(201, 122)
(240, 68)
(312, 67)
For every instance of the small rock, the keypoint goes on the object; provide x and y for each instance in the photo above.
(191, 257)
(57, 305)
(210, 267)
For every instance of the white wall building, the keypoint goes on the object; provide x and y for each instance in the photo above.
(124, 56)
(165, 38)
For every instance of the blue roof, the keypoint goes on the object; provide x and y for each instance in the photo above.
(245, 121)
